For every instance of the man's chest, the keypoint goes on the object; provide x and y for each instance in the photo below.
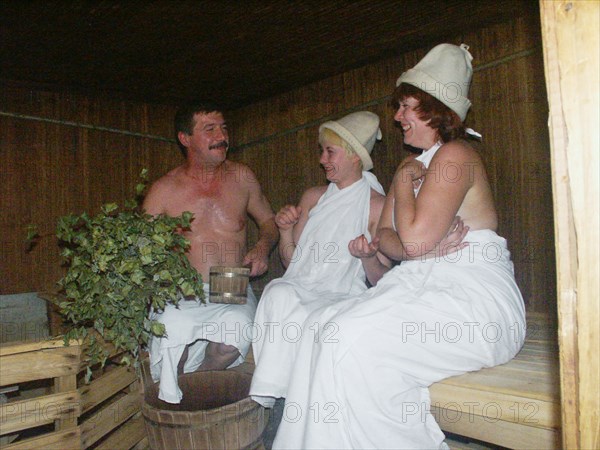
(219, 210)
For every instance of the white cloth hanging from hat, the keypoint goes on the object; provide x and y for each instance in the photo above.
(366, 384)
(322, 271)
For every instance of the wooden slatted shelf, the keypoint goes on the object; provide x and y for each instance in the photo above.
(515, 405)
(67, 413)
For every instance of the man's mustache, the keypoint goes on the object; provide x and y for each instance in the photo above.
(219, 144)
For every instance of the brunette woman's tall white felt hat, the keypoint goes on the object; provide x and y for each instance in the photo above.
(445, 73)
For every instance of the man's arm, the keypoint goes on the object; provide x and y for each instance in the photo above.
(260, 210)
(153, 202)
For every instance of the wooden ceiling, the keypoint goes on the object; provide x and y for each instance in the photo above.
(234, 52)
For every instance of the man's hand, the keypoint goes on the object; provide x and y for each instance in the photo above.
(257, 260)
(287, 217)
(361, 248)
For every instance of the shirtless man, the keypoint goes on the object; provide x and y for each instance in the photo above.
(220, 194)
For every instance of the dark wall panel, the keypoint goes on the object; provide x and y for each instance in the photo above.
(54, 164)
(52, 167)
(278, 138)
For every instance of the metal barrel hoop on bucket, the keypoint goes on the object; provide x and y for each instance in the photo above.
(229, 284)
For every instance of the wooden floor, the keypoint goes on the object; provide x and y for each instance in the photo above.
(516, 405)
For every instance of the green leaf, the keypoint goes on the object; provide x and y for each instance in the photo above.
(165, 275)
(119, 264)
(146, 259)
(138, 277)
(157, 328)
(187, 288)
(186, 219)
(32, 232)
(109, 207)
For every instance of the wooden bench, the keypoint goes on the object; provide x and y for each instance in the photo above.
(515, 405)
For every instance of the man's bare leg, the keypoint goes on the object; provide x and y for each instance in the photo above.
(218, 356)
(182, 360)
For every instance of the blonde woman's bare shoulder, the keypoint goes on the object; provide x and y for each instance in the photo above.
(377, 201)
(376, 196)
(312, 195)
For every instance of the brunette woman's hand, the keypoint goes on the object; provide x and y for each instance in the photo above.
(453, 241)
(412, 170)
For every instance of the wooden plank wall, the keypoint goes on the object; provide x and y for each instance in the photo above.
(572, 68)
(50, 169)
(278, 138)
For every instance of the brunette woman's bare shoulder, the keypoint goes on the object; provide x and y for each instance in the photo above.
(458, 150)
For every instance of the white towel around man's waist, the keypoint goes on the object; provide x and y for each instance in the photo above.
(196, 323)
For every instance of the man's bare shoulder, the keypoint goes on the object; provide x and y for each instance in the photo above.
(169, 180)
(161, 191)
(236, 165)
(239, 172)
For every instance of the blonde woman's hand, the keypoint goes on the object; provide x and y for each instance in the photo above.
(287, 217)
(361, 248)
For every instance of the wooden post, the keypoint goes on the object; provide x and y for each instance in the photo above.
(570, 32)
(66, 383)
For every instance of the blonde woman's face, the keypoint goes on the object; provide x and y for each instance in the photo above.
(336, 162)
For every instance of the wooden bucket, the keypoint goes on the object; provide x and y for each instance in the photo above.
(215, 413)
(229, 284)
